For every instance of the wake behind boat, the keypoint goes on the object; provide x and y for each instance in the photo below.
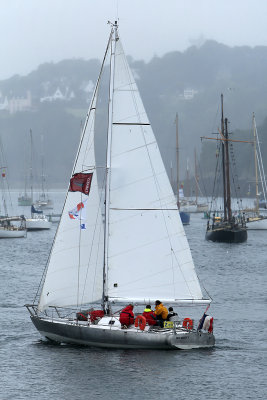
(138, 254)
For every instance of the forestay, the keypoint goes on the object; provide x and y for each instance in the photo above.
(148, 253)
(75, 268)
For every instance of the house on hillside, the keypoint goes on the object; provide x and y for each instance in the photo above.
(59, 96)
(188, 94)
(16, 104)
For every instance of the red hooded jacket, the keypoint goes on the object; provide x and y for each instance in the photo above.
(127, 316)
(149, 314)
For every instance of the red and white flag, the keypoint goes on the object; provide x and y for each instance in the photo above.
(79, 212)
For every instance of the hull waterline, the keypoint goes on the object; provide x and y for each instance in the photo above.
(227, 235)
(9, 233)
(106, 336)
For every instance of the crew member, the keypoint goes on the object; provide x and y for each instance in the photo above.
(149, 315)
(127, 316)
(171, 314)
(161, 312)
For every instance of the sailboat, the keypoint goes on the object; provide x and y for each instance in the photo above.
(10, 226)
(185, 217)
(26, 199)
(258, 221)
(139, 253)
(228, 228)
(38, 220)
(44, 202)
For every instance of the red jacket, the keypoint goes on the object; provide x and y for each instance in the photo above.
(149, 317)
(127, 316)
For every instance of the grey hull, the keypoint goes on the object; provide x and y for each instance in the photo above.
(109, 337)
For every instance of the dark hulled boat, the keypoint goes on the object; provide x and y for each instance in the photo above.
(228, 228)
(225, 232)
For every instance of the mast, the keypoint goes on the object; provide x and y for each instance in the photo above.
(227, 173)
(31, 160)
(256, 163)
(177, 160)
(114, 37)
(196, 176)
(188, 191)
(223, 163)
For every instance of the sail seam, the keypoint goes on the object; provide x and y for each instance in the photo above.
(130, 123)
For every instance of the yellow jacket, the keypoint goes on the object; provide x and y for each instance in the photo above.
(161, 310)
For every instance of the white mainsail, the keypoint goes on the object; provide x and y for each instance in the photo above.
(148, 253)
(75, 268)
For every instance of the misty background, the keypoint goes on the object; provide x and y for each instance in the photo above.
(183, 57)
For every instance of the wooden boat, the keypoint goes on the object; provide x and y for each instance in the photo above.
(230, 228)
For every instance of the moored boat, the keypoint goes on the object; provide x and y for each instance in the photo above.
(38, 220)
(255, 220)
(12, 227)
(229, 228)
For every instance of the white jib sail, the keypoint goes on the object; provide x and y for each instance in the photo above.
(148, 253)
(75, 268)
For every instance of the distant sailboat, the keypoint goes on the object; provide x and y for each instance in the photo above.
(138, 254)
(227, 228)
(44, 202)
(10, 226)
(258, 221)
(38, 221)
(26, 199)
(185, 217)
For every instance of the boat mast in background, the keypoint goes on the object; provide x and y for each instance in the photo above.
(185, 216)
(177, 161)
(227, 228)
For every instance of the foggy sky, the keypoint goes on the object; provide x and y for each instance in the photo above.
(36, 31)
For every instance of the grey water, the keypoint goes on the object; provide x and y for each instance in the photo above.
(233, 275)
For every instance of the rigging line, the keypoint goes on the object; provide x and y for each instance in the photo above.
(130, 123)
(6, 180)
(264, 184)
(92, 100)
(261, 178)
(143, 209)
(216, 175)
(233, 169)
(93, 241)
(90, 140)
(113, 47)
(79, 257)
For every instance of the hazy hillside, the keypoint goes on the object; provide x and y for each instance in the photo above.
(56, 98)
